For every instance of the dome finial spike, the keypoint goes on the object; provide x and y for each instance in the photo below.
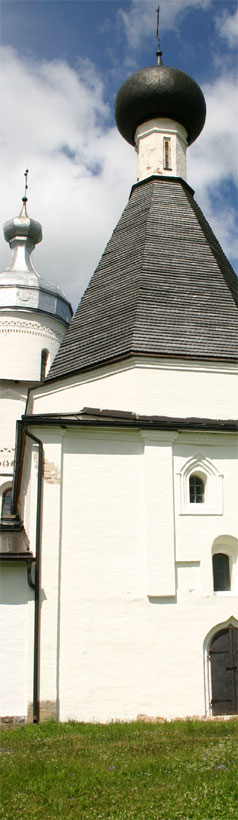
(24, 198)
(158, 52)
(23, 212)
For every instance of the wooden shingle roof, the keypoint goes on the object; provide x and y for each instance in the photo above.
(163, 287)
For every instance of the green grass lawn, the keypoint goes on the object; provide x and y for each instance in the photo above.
(136, 771)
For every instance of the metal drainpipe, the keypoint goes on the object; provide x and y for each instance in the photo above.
(37, 580)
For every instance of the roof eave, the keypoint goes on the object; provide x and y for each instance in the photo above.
(110, 418)
(96, 365)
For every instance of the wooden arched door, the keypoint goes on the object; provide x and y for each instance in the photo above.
(224, 673)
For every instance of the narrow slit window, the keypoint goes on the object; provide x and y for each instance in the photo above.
(221, 572)
(196, 490)
(44, 359)
(167, 154)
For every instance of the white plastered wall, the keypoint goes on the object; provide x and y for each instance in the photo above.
(23, 335)
(50, 567)
(171, 388)
(149, 141)
(12, 404)
(16, 616)
(50, 554)
(119, 647)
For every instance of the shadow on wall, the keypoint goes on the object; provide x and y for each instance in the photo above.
(14, 589)
(172, 599)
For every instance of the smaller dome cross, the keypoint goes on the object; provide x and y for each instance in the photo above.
(25, 198)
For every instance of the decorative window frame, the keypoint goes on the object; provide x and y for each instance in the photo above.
(213, 487)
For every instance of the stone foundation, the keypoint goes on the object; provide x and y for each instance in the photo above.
(158, 719)
(11, 721)
(47, 711)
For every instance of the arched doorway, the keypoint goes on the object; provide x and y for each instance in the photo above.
(223, 655)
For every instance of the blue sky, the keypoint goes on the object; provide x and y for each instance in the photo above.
(63, 63)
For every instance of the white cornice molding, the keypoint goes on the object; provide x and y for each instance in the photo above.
(29, 327)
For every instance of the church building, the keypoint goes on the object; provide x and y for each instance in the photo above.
(119, 558)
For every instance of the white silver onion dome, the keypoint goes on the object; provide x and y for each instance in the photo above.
(20, 285)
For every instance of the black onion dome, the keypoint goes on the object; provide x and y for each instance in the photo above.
(160, 91)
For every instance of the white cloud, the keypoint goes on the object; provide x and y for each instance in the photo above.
(212, 160)
(227, 27)
(55, 124)
(140, 21)
(214, 156)
(81, 170)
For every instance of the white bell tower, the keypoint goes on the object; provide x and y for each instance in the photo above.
(34, 315)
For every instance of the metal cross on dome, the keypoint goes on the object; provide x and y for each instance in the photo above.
(158, 52)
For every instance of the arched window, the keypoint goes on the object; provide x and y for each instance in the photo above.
(200, 487)
(196, 489)
(221, 572)
(44, 358)
(6, 502)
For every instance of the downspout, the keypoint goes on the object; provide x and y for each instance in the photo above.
(36, 584)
